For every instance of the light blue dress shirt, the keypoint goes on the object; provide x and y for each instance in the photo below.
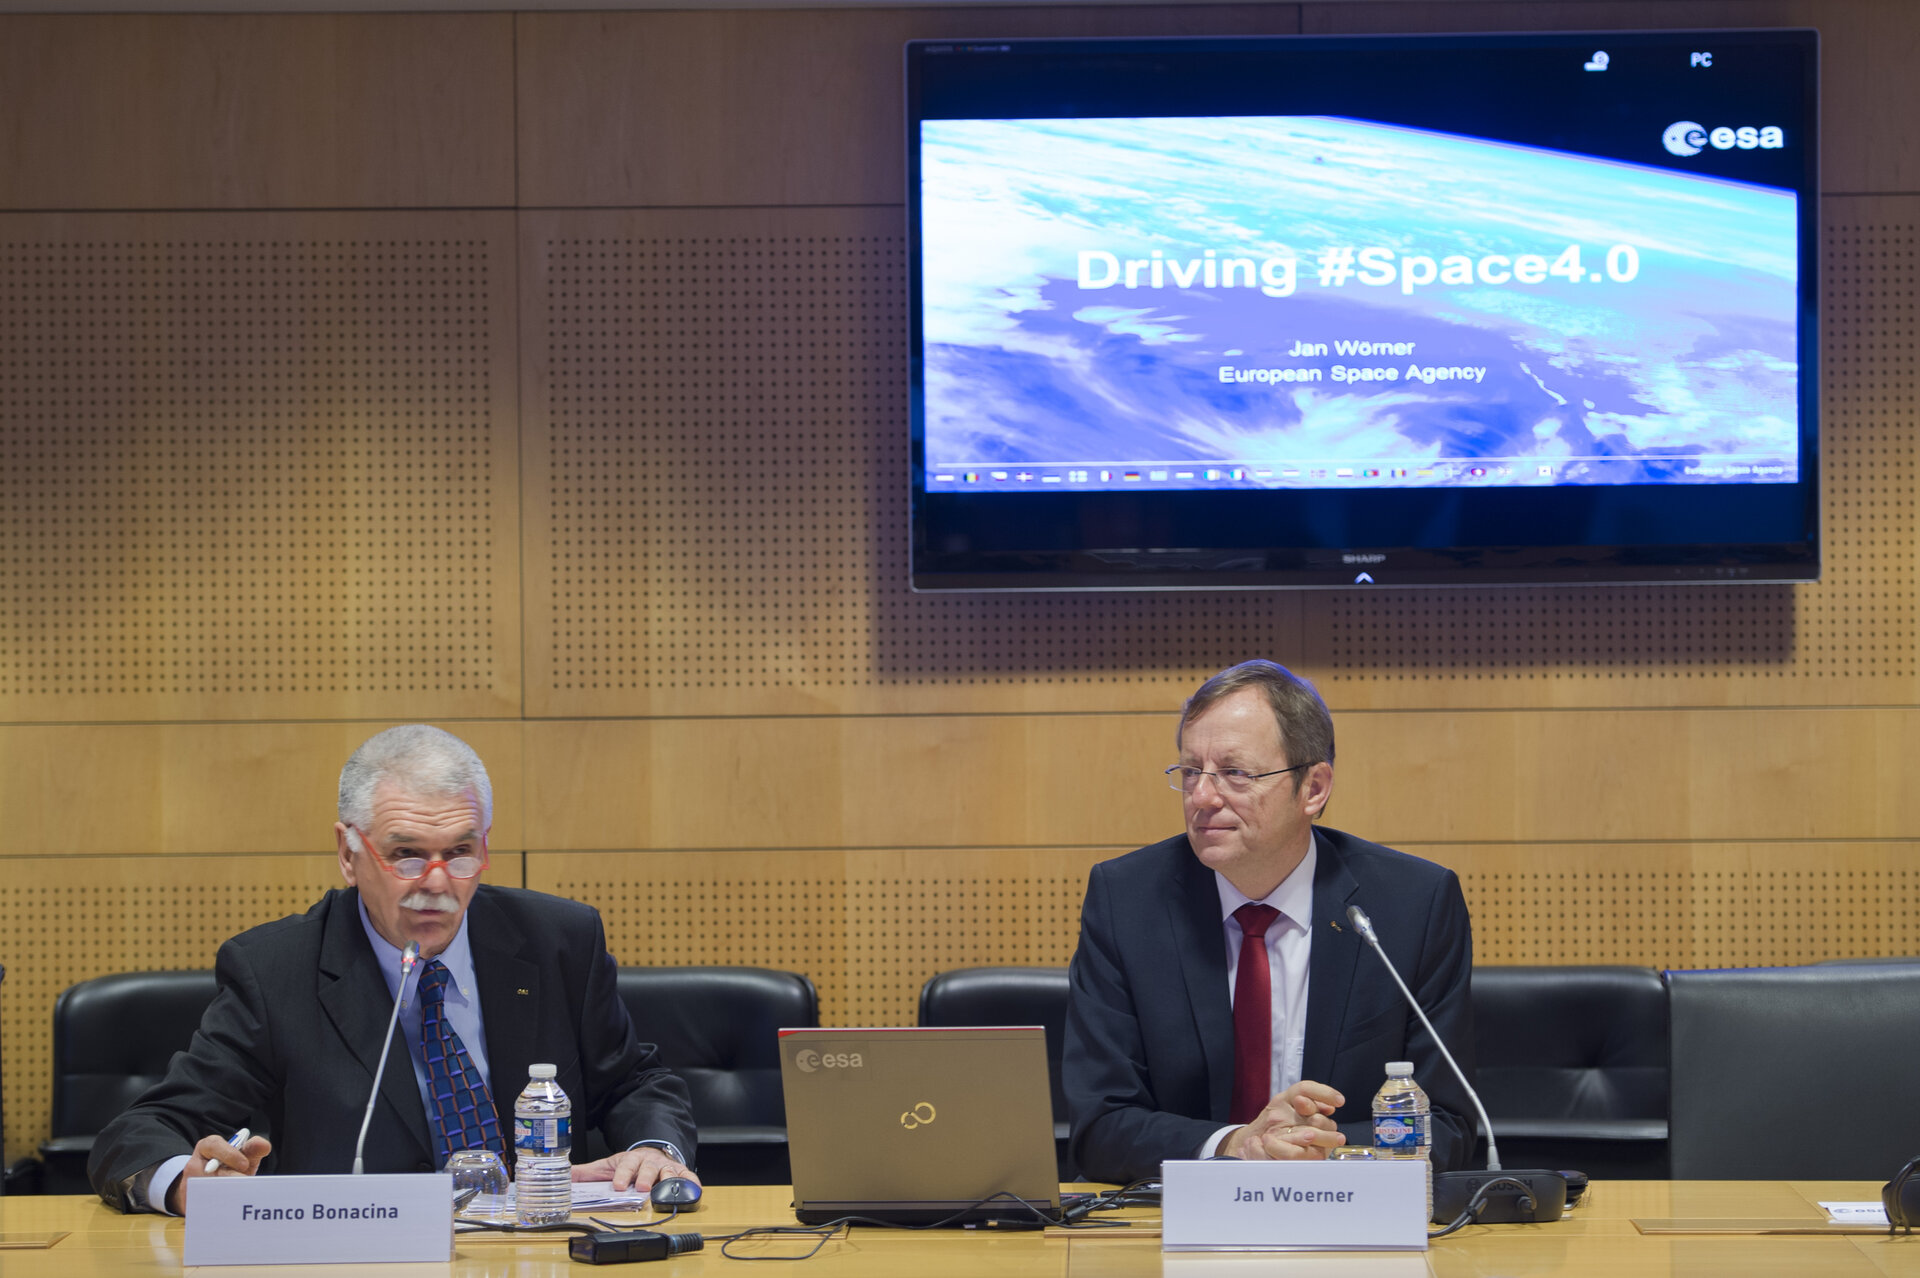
(462, 1002)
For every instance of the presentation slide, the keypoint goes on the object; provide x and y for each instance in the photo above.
(1313, 302)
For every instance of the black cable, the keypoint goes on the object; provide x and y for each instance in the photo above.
(557, 1227)
(1137, 1194)
(824, 1232)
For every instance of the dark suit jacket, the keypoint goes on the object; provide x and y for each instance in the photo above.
(1148, 1058)
(289, 1045)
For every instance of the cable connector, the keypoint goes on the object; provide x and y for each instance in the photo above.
(625, 1248)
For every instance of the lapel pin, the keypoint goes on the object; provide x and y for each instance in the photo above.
(1334, 924)
(520, 991)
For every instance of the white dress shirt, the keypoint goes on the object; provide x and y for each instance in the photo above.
(1289, 949)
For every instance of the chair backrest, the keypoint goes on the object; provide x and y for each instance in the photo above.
(1571, 1042)
(1837, 1043)
(1004, 996)
(113, 1037)
(718, 1027)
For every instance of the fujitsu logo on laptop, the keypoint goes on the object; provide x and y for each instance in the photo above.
(809, 1060)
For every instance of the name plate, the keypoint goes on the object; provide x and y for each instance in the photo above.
(307, 1220)
(1306, 1206)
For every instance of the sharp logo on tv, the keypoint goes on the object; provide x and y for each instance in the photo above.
(1684, 137)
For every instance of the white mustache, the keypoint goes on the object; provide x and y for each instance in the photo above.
(424, 900)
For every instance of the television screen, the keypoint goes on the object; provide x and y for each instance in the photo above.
(1334, 311)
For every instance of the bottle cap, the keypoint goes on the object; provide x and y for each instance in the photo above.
(548, 1071)
(1395, 1069)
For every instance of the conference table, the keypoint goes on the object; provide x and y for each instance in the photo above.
(1685, 1228)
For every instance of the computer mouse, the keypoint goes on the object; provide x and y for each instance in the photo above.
(671, 1192)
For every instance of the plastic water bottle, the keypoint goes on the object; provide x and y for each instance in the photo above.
(542, 1149)
(1403, 1121)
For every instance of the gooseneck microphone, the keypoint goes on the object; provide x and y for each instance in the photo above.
(1528, 1195)
(1364, 925)
(408, 957)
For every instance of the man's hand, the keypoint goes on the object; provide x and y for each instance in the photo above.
(634, 1169)
(244, 1161)
(1297, 1123)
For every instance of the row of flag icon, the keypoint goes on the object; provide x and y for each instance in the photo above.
(1089, 476)
(1229, 474)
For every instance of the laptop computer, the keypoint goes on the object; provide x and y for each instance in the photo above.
(911, 1126)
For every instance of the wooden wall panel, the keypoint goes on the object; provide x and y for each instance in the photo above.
(1094, 780)
(869, 927)
(716, 517)
(203, 111)
(68, 918)
(258, 465)
(1688, 905)
(764, 107)
(1868, 51)
(869, 782)
(186, 789)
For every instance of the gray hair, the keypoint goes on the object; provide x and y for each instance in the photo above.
(1306, 725)
(420, 758)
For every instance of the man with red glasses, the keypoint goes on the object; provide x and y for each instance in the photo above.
(504, 978)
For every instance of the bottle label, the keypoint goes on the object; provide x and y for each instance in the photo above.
(543, 1135)
(1408, 1135)
(1395, 1134)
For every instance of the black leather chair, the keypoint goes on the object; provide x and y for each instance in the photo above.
(718, 1028)
(1009, 996)
(1756, 1048)
(113, 1037)
(1572, 1067)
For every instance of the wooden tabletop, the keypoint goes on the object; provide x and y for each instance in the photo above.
(1600, 1237)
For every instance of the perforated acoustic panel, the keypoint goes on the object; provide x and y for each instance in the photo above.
(1687, 905)
(257, 464)
(1849, 637)
(717, 477)
(868, 927)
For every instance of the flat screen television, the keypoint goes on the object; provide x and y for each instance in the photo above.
(1327, 311)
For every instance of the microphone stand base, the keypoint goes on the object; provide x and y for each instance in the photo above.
(1543, 1198)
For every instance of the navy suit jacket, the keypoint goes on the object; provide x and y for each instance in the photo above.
(1148, 1058)
(289, 1045)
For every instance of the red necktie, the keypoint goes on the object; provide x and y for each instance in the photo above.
(1252, 1015)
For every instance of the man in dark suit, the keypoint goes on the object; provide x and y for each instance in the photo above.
(505, 978)
(1220, 1001)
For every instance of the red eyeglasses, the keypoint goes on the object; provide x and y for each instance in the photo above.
(411, 868)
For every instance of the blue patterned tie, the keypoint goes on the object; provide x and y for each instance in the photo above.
(462, 1104)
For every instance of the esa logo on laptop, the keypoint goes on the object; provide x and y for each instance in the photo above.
(809, 1060)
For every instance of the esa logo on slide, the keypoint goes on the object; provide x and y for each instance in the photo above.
(1684, 137)
(809, 1060)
